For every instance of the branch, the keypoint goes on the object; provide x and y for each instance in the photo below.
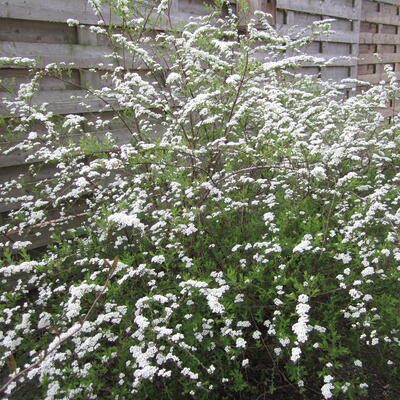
(47, 352)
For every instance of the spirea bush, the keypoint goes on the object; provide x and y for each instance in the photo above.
(243, 245)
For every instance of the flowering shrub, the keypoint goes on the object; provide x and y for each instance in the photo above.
(244, 244)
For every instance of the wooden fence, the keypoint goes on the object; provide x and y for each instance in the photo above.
(38, 29)
(379, 42)
(344, 42)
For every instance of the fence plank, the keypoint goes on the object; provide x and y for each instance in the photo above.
(378, 18)
(50, 10)
(337, 37)
(73, 55)
(62, 10)
(329, 8)
(18, 157)
(376, 78)
(385, 58)
(378, 38)
(45, 230)
(60, 102)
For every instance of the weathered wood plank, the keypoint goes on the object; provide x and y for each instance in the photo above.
(366, 69)
(388, 29)
(36, 31)
(62, 10)
(37, 173)
(333, 60)
(394, 2)
(6, 207)
(368, 49)
(45, 53)
(378, 18)
(11, 78)
(336, 73)
(378, 38)
(391, 111)
(383, 58)
(376, 78)
(60, 102)
(45, 229)
(43, 172)
(338, 37)
(331, 8)
(51, 10)
(18, 157)
(75, 56)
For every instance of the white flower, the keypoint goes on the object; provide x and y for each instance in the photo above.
(345, 258)
(304, 245)
(301, 331)
(233, 79)
(214, 304)
(268, 217)
(189, 229)
(345, 387)
(354, 293)
(239, 298)
(45, 319)
(21, 245)
(303, 298)
(256, 335)
(158, 259)
(367, 271)
(358, 363)
(319, 328)
(301, 328)
(326, 390)
(172, 77)
(318, 173)
(236, 247)
(72, 22)
(211, 369)
(302, 309)
(32, 135)
(126, 220)
(189, 373)
(240, 343)
(284, 342)
(82, 182)
(278, 302)
(142, 321)
(296, 352)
